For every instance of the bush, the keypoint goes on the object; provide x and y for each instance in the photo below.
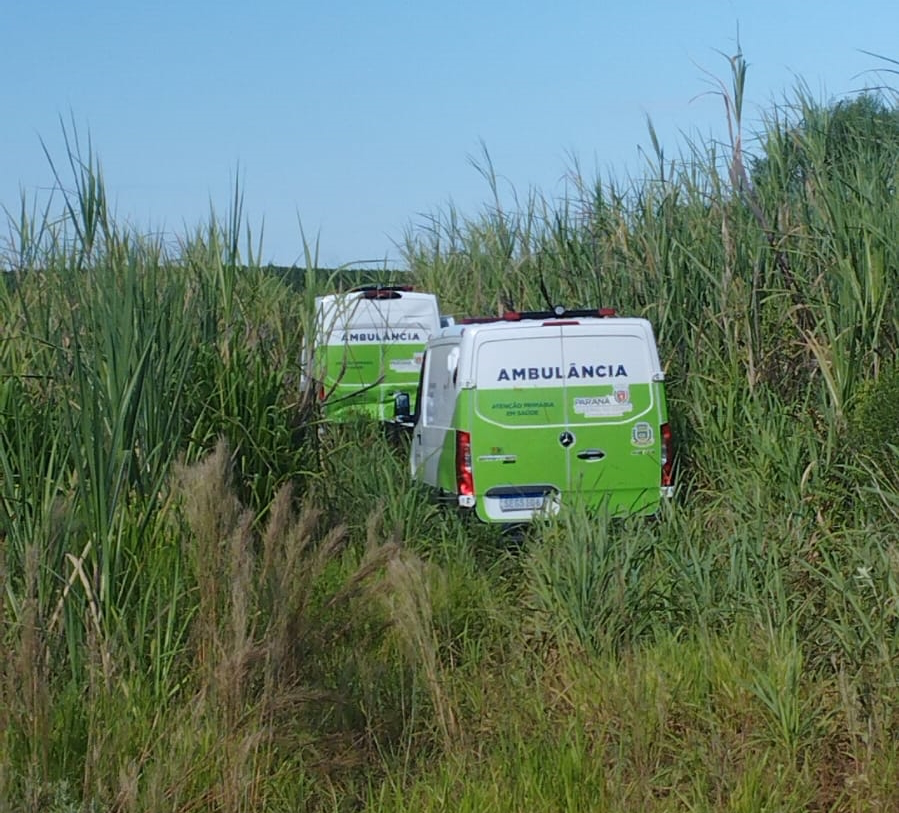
(874, 421)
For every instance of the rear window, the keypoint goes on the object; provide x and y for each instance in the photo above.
(519, 381)
(519, 363)
(555, 360)
(604, 358)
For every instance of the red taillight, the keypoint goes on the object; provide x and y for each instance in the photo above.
(667, 456)
(463, 464)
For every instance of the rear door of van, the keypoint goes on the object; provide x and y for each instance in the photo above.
(518, 417)
(612, 411)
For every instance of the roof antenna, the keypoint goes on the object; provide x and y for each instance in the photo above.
(558, 310)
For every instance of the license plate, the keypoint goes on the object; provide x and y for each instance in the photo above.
(520, 503)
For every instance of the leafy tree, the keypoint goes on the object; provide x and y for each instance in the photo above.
(850, 137)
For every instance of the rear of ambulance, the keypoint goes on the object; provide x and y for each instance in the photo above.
(564, 405)
(372, 349)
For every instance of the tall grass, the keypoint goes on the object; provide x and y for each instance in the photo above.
(212, 602)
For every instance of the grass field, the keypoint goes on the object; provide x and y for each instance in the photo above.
(212, 605)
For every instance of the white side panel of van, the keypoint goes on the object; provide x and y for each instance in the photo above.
(437, 406)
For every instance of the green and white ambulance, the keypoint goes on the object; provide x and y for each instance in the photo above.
(516, 413)
(368, 348)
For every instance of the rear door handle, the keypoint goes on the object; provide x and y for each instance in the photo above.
(591, 454)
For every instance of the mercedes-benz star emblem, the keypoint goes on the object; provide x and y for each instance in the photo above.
(566, 439)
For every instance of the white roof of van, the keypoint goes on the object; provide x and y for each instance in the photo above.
(614, 323)
(361, 294)
(355, 309)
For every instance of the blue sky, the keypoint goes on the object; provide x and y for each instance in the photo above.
(357, 119)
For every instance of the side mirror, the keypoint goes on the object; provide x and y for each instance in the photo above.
(402, 408)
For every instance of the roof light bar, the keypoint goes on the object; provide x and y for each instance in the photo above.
(381, 291)
(517, 316)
